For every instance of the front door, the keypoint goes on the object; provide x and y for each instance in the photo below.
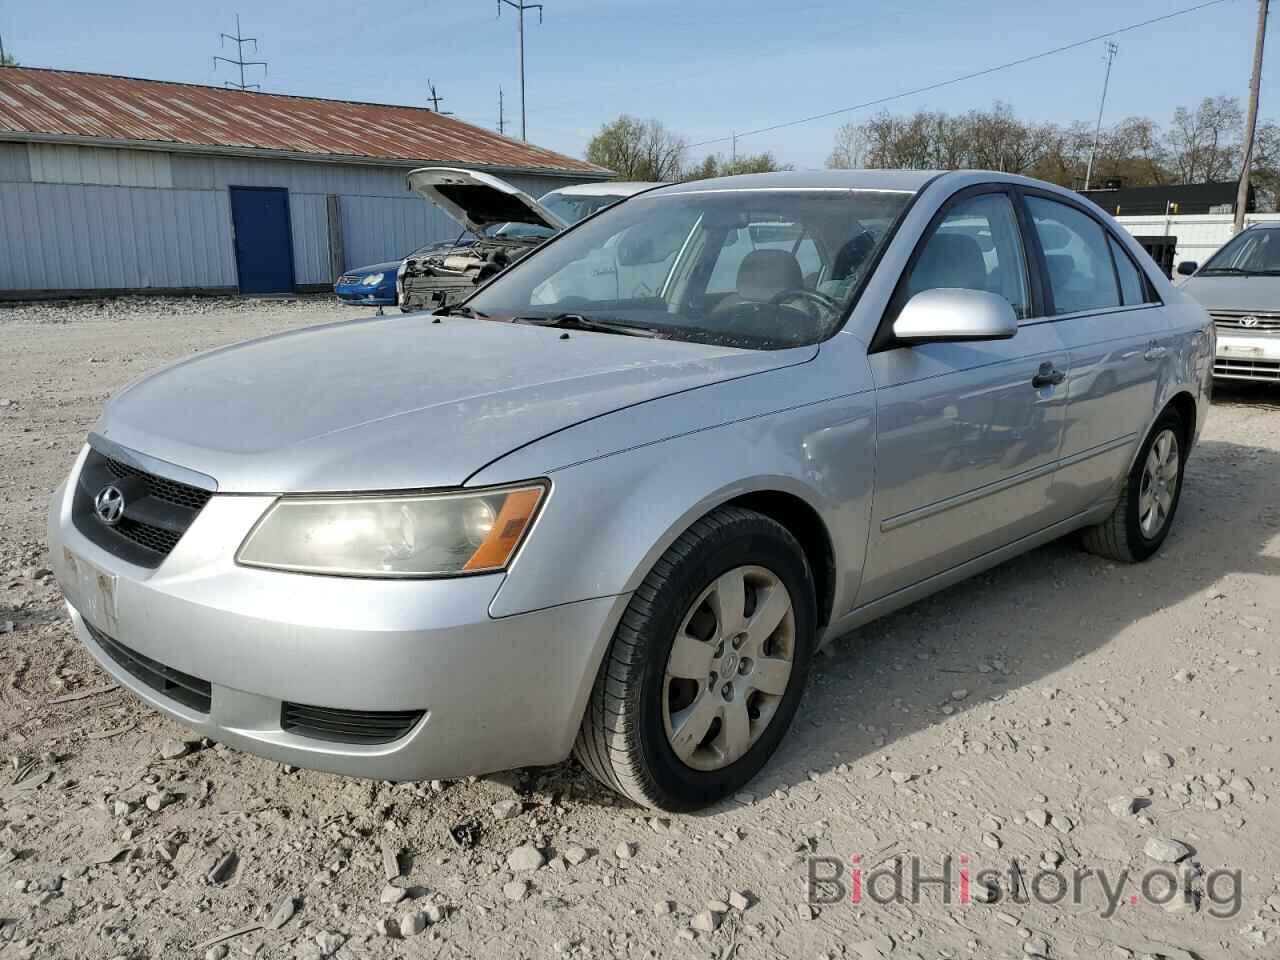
(264, 246)
(968, 433)
(1112, 322)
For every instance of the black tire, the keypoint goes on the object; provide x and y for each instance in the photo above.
(1121, 537)
(623, 741)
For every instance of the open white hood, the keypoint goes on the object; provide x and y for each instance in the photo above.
(480, 200)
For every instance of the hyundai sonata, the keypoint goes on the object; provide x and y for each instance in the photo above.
(612, 503)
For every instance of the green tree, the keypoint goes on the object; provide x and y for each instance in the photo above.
(638, 150)
(715, 165)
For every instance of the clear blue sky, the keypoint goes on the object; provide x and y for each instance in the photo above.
(703, 67)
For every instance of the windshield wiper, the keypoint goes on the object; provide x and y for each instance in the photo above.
(458, 310)
(1231, 270)
(577, 321)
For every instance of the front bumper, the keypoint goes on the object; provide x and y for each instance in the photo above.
(495, 692)
(1245, 357)
(383, 295)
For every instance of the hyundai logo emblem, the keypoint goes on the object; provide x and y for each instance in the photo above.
(109, 505)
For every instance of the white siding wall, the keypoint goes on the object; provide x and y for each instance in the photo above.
(64, 236)
(1199, 235)
(95, 218)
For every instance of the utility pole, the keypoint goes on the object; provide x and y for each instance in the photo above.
(3, 61)
(435, 99)
(1112, 47)
(502, 117)
(520, 6)
(240, 61)
(1242, 195)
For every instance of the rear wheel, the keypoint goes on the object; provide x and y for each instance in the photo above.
(1142, 518)
(707, 667)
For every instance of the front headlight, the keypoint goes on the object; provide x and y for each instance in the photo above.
(427, 535)
(372, 280)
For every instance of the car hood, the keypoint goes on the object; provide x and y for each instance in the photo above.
(399, 403)
(1261, 293)
(479, 200)
(391, 266)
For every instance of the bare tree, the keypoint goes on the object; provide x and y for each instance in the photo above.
(850, 150)
(1204, 145)
(638, 150)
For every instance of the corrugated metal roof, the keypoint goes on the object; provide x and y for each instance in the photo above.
(67, 104)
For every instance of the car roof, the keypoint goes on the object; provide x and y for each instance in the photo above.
(906, 181)
(614, 188)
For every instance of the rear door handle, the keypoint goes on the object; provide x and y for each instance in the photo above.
(1155, 352)
(1047, 376)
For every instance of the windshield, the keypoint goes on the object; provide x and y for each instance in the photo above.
(568, 208)
(754, 268)
(1250, 252)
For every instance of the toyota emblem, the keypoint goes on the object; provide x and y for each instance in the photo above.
(109, 505)
(1249, 321)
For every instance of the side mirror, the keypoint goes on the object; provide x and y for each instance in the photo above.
(948, 314)
(1187, 267)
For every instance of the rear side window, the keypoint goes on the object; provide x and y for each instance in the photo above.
(1081, 276)
(1132, 289)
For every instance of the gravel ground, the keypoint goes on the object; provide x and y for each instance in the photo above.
(1059, 712)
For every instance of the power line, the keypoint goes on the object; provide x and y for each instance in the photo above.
(240, 61)
(960, 79)
(520, 6)
(1112, 47)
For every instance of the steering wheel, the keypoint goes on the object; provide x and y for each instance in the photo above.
(812, 298)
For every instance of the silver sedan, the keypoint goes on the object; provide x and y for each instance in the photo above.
(612, 504)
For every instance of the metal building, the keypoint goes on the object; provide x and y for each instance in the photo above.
(111, 184)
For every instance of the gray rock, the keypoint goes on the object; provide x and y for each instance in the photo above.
(392, 895)
(662, 908)
(217, 952)
(223, 869)
(575, 854)
(1165, 850)
(991, 840)
(516, 890)
(434, 912)
(739, 899)
(1035, 947)
(390, 861)
(412, 924)
(625, 850)
(507, 809)
(708, 921)
(1037, 817)
(329, 942)
(172, 749)
(282, 914)
(158, 801)
(1062, 823)
(1157, 760)
(525, 858)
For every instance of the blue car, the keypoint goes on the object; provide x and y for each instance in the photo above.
(374, 285)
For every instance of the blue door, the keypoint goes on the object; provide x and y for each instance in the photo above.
(264, 245)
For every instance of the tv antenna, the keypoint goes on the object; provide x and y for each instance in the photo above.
(240, 61)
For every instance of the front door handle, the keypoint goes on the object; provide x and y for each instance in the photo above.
(1047, 376)
(1155, 352)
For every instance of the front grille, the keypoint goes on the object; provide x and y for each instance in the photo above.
(162, 488)
(1256, 322)
(347, 726)
(183, 687)
(157, 510)
(1231, 368)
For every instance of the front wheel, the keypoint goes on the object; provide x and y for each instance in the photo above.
(1142, 518)
(707, 667)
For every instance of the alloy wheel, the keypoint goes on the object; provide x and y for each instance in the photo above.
(729, 667)
(1159, 484)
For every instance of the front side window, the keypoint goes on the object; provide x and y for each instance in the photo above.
(764, 269)
(1081, 275)
(1248, 253)
(977, 246)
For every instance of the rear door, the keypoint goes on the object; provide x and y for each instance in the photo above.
(967, 442)
(1111, 320)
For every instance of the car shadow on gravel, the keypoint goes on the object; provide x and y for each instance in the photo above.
(977, 642)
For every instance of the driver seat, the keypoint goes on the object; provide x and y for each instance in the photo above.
(762, 275)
